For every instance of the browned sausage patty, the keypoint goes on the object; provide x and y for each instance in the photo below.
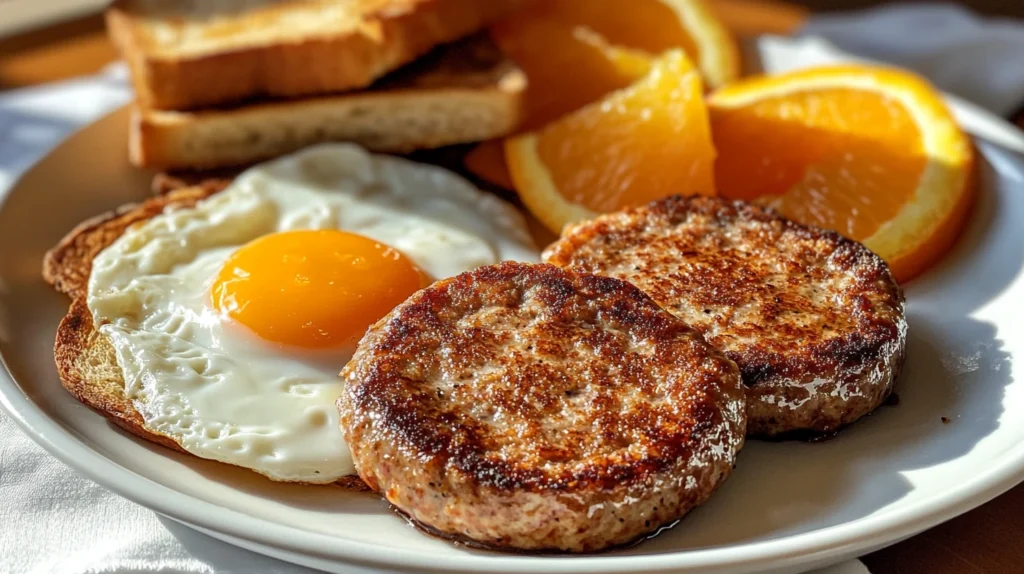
(815, 321)
(525, 406)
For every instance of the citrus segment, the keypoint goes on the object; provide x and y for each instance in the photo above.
(642, 143)
(656, 26)
(487, 161)
(566, 66)
(575, 52)
(870, 152)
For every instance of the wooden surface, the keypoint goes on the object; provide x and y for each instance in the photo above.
(55, 53)
(989, 539)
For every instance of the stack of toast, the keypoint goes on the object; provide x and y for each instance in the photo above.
(231, 83)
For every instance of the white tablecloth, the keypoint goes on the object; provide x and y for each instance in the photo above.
(54, 521)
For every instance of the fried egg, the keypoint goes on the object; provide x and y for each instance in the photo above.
(231, 319)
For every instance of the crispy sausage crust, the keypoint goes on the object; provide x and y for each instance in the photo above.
(524, 406)
(815, 321)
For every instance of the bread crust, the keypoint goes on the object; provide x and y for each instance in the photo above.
(396, 34)
(526, 406)
(68, 264)
(171, 140)
(79, 351)
(86, 361)
(214, 181)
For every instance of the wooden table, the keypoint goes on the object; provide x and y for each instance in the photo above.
(989, 539)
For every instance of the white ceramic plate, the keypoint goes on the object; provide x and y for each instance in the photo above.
(789, 506)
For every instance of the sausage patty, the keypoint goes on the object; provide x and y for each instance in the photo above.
(529, 407)
(815, 321)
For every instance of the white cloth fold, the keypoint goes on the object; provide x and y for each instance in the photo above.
(54, 521)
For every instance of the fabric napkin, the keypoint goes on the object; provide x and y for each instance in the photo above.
(54, 521)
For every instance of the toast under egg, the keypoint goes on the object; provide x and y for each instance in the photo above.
(86, 360)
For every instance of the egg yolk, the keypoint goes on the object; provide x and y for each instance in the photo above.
(315, 288)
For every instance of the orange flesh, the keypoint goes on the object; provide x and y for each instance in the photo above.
(566, 66)
(650, 25)
(643, 143)
(487, 161)
(912, 264)
(313, 289)
(840, 158)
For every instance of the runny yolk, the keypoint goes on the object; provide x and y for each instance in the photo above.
(313, 288)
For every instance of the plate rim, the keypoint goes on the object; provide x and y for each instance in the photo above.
(849, 536)
(866, 532)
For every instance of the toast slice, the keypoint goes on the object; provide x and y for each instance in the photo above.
(188, 55)
(463, 92)
(86, 361)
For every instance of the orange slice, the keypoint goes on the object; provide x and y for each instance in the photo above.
(635, 145)
(487, 161)
(574, 52)
(656, 26)
(566, 66)
(871, 152)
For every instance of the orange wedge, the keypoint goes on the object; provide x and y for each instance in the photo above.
(871, 152)
(487, 161)
(635, 145)
(576, 51)
(656, 26)
(566, 66)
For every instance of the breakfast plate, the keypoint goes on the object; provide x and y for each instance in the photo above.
(950, 444)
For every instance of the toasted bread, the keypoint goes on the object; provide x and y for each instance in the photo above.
(165, 182)
(188, 55)
(460, 93)
(86, 361)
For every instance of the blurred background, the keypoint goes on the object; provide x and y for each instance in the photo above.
(32, 30)
(992, 7)
(20, 15)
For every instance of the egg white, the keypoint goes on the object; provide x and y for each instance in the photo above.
(215, 387)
